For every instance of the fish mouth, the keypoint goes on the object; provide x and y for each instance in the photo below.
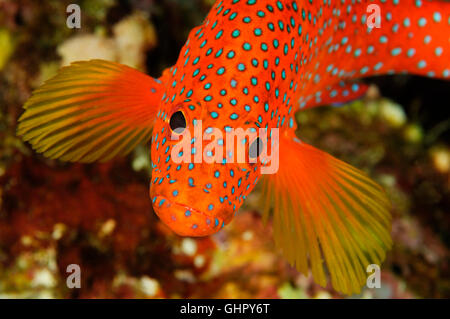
(185, 220)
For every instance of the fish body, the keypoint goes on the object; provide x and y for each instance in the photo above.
(258, 62)
(251, 65)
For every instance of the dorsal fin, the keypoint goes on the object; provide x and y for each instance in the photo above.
(327, 215)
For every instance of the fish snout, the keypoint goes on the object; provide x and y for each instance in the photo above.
(185, 220)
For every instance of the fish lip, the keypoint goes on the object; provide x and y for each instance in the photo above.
(195, 224)
(177, 204)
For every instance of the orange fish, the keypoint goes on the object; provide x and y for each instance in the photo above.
(252, 64)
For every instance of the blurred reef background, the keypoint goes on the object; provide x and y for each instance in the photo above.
(53, 214)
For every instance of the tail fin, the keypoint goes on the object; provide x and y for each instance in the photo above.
(327, 215)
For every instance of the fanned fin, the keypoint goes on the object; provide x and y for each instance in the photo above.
(91, 110)
(327, 215)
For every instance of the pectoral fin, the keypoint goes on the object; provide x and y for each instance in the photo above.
(327, 215)
(91, 110)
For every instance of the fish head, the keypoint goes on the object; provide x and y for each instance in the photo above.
(202, 169)
(207, 142)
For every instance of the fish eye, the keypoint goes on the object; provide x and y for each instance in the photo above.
(177, 122)
(255, 148)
